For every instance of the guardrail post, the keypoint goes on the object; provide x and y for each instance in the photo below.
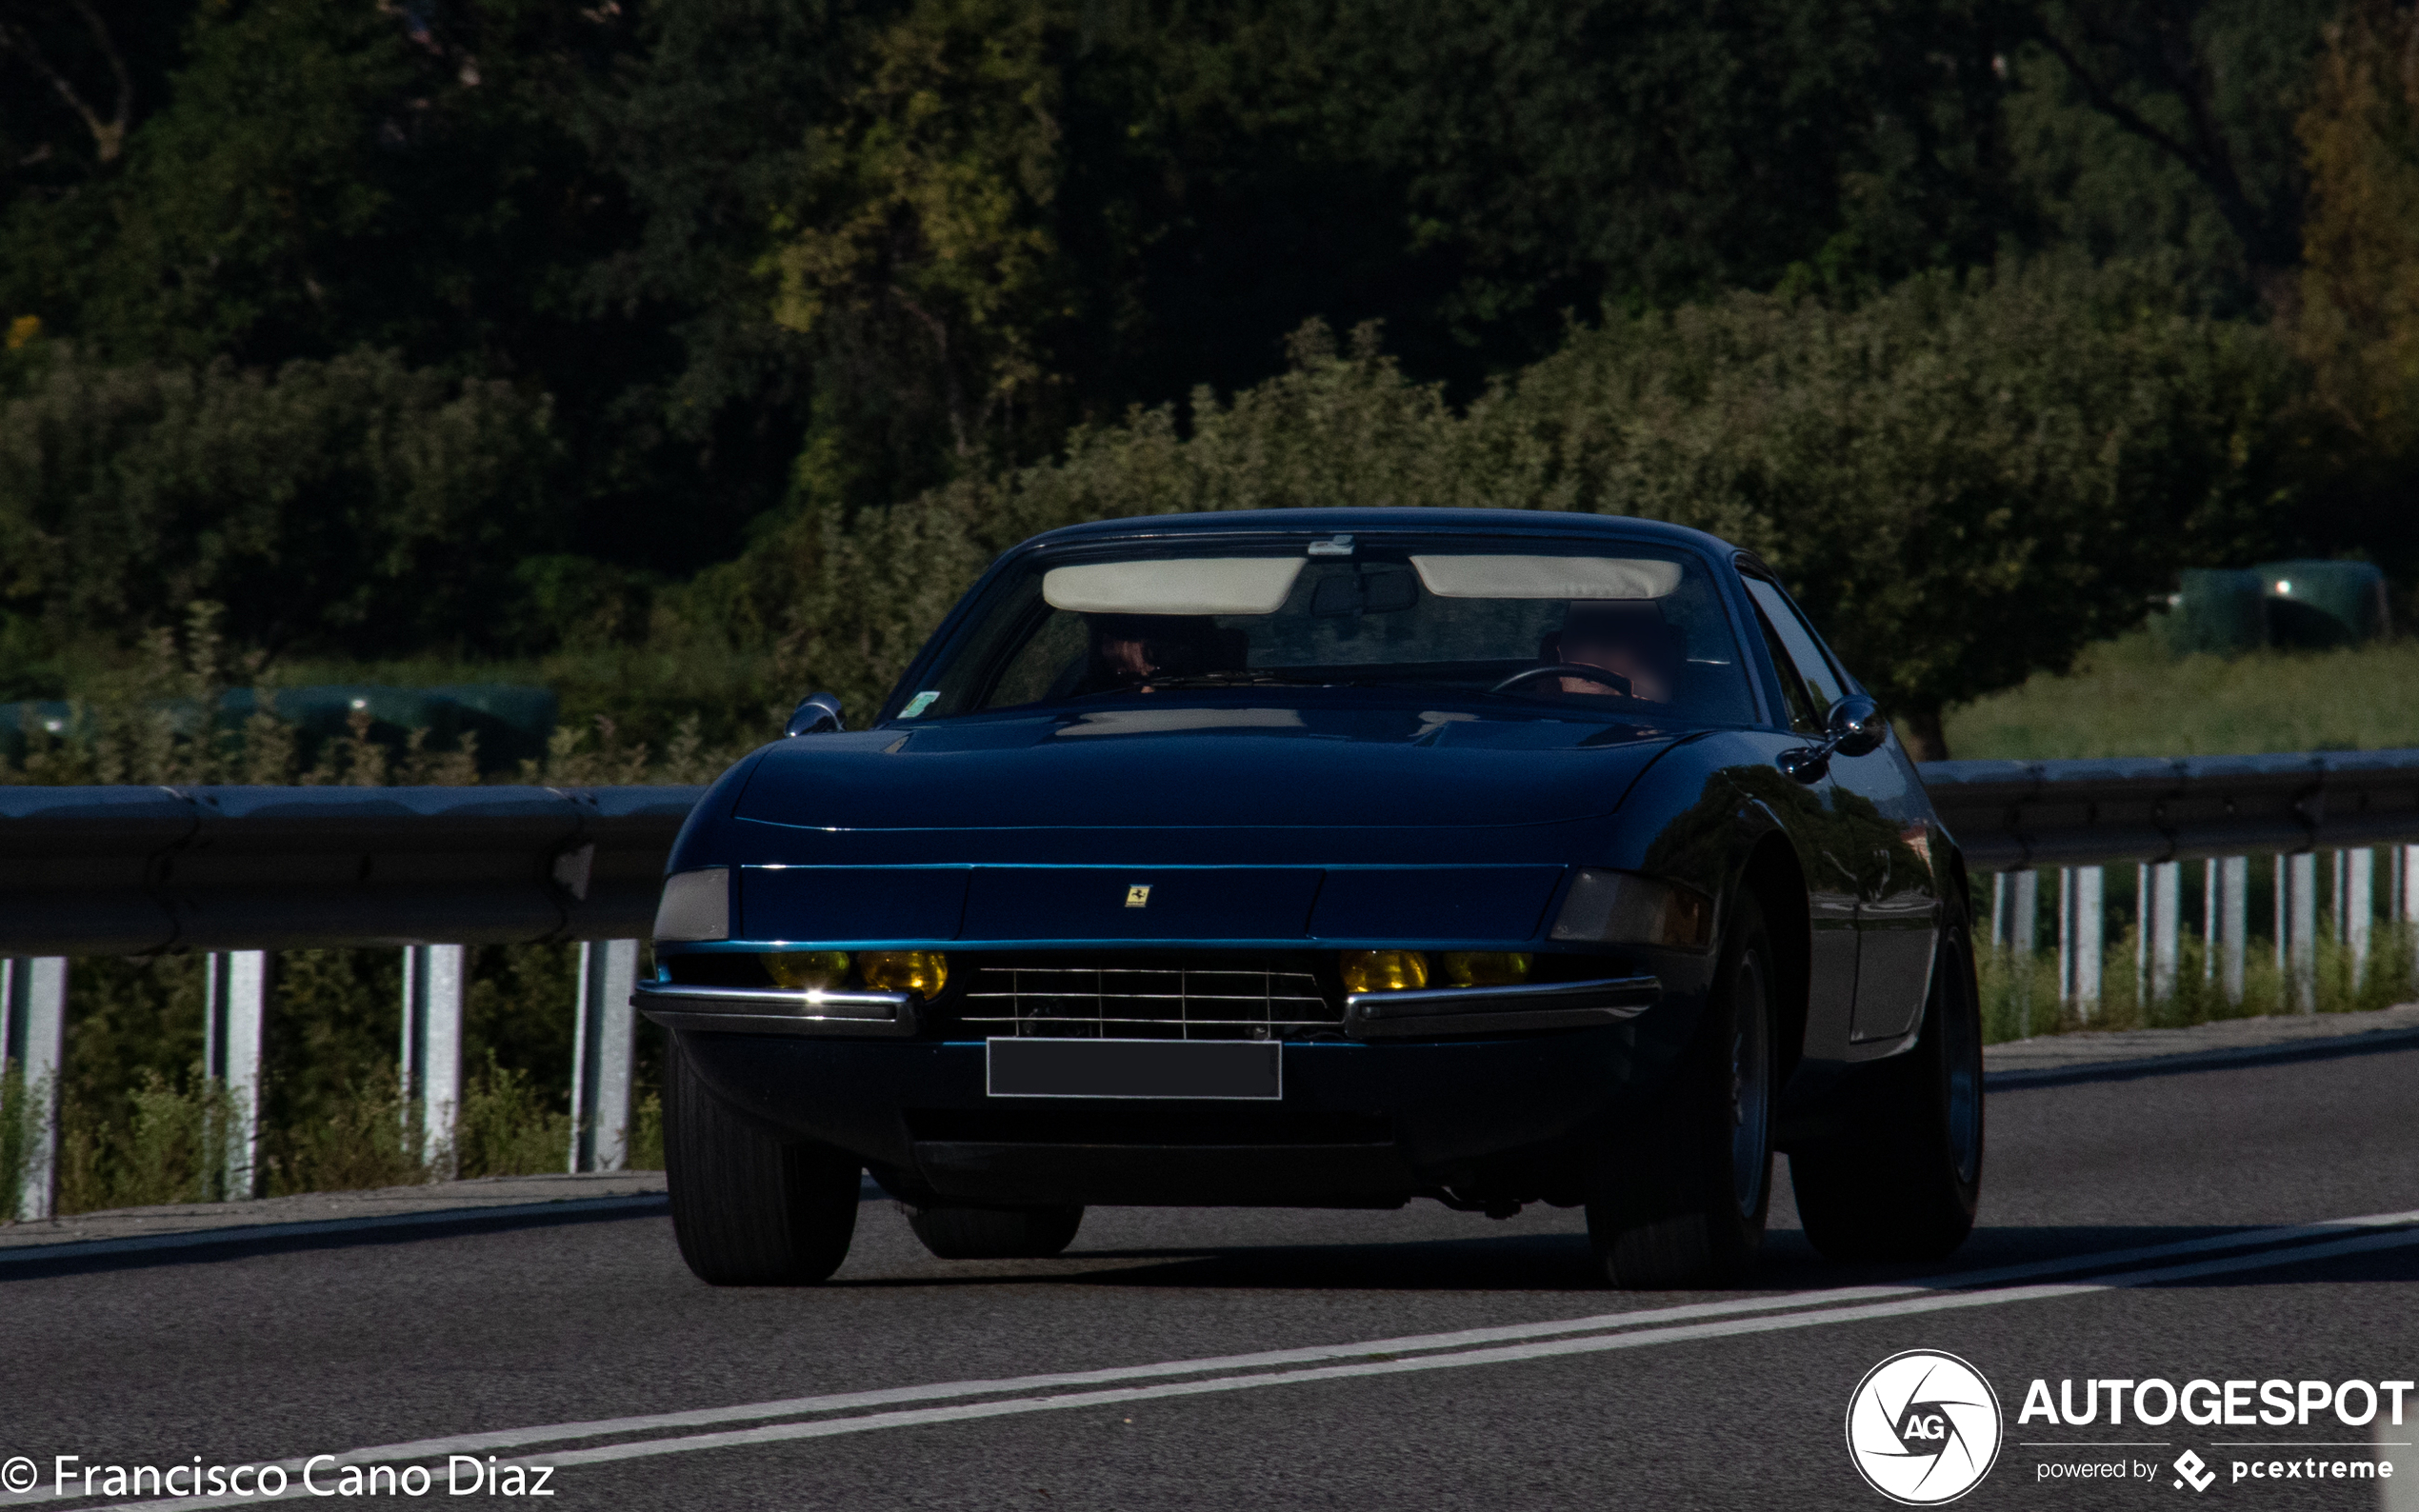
(33, 1033)
(2407, 869)
(601, 1055)
(2232, 876)
(2357, 903)
(2082, 893)
(2297, 930)
(433, 983)
(234, 1000)
(2156, 887)
(2027, 913)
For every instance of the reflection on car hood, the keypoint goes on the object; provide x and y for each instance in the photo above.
(1205, 764)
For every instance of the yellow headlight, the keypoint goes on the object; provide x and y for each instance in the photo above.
(1384, 971)
(1485, 968)
(923, 971)
(823, 970)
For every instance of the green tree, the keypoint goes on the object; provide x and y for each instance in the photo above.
(700, 403)
(922, 232)
(2210, 91)
(1966, 480)
(2359, 316)
(356, 505)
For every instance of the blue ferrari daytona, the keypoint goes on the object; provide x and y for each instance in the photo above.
(1330, 858)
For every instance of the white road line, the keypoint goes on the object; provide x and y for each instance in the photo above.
(1641, 1337)
(1460, 1338)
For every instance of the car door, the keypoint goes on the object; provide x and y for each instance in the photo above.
(1885, 830)
(1827, 854)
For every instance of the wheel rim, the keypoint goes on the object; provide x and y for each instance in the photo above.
(1961, 1051)
(1750, 1087)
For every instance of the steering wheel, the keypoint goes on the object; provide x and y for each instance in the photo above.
(1594, 674)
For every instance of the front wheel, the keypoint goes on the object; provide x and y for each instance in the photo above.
(750, 1208)
(1681, 1201)
(1904, 1182)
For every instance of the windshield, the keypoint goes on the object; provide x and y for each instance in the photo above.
(1601, 624)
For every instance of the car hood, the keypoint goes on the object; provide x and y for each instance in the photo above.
(1194, 765)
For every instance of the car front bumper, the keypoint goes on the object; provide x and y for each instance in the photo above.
(1358, 1124)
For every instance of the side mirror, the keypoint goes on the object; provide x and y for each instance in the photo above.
(1856, 725)
(1855, 728)
(815, 714)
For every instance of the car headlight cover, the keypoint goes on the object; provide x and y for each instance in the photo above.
(815, 970)
(696, 906)
(920, 971)
(1382, 970)
(1621, 907)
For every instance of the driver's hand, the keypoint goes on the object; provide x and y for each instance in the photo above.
(1588, 685)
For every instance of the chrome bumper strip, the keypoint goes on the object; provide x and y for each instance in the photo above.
(1498, 1010)
(777, 1011)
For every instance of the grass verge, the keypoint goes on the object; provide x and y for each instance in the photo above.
(2019, 991)
(2129, 697)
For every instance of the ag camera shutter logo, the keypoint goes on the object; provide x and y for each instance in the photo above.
(1923, 1427)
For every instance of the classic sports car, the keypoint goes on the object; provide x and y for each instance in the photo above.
(1329, 858)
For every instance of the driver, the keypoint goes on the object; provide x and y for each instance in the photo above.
(1128, 651)
(1628, 637)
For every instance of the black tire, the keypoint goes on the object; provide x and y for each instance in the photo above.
(1679, 1199)
(995, 1233)
(749, 1207)
(1903, 1183)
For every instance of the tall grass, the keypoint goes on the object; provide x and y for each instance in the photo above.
(169, 1142)
(2129, 697)
(18, 1132)
(151, 722)
(2020, 990)
(505, 1127)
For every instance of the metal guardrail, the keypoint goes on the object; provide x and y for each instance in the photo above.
(142, 870)
(240, 871)
(2010, 816)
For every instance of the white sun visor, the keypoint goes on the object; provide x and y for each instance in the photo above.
(1547, 577)
(1200, 584)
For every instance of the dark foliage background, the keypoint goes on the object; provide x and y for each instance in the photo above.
(688, 354)
(476, 330)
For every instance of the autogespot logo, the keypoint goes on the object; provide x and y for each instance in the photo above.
(1923, 1427)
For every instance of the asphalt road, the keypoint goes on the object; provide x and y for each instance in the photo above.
(543, 1334)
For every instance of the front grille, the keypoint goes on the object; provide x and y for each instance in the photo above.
(1146, 1001)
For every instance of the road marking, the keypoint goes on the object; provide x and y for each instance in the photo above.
(776, 1433)
(1647, 1327)
(1459, 1339)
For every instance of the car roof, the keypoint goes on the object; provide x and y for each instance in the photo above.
(1374, 521)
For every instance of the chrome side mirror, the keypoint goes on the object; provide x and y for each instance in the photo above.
(1856, 726)
(815, 714)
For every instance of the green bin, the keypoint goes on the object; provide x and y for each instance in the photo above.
(2222, 611)
(2313, 605)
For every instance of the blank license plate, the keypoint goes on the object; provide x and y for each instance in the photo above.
(1166, 1069)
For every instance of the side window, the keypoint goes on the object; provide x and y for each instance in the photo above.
(1781, 618)
(1056, 649)
(1801, 707)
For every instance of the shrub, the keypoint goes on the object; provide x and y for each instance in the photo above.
(1967, 480)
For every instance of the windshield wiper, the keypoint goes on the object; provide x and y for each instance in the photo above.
(1251, 677)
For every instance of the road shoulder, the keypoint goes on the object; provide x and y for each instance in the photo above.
(2090, 1054)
